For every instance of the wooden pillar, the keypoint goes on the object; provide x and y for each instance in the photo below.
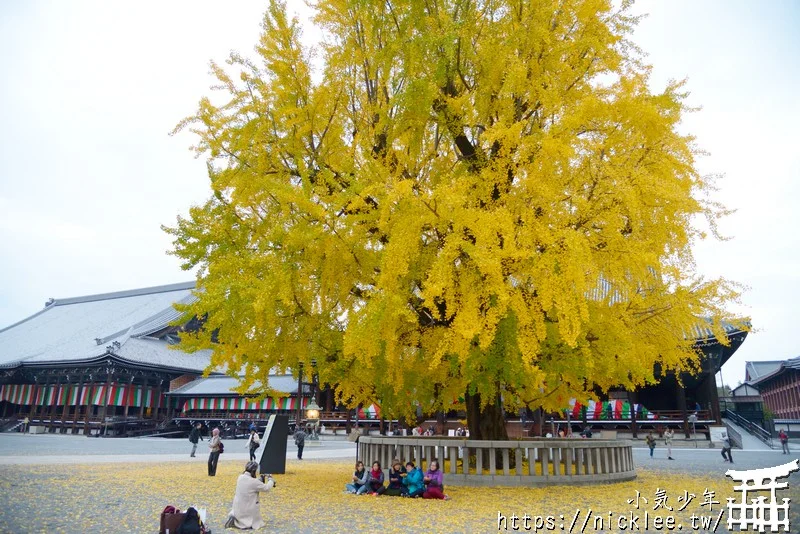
(105, 402)
(680, 393)
(145, 383)
(89, 406)
(43, 412)
(128, 391)
(632, 402)
(37, 387)
(713, 396)
(81, 383)
(157, 400)
(329, 399)
(53, 408)
(63, 425)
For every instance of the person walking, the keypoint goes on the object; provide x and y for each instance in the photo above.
(300, 441)
(215, 445)
(668, 442)
(253, 442)
(784, 437)
(651, 442)
(194, 437)
(726, 449)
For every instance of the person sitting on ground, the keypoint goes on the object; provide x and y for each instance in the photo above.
(414, 481)
(360, 478)
(191, 523)
(434, 482)
(253, 442)
(246, 512)
(396, 475)
(376, 479)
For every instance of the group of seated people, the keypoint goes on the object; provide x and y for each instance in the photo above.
(408, 481)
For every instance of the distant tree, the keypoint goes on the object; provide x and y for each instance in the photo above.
(474, 204)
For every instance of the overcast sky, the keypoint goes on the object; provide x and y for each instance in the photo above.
(89, 91)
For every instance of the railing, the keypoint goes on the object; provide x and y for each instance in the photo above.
(10, 424)
(324, 417)
(655, 417)
(733, 436)
(521, 463)
(759, 432)
(69, 419)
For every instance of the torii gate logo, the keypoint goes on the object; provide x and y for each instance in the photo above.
(759, 514)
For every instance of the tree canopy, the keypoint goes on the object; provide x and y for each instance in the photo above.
(449, 200)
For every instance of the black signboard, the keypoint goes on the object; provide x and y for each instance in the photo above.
(273, 445)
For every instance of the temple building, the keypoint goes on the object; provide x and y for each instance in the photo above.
(84, 364)
(778, 383)
(105, 364)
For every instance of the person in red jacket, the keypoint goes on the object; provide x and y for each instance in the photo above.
(784, 437)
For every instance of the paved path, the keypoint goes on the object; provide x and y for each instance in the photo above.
(48, 449)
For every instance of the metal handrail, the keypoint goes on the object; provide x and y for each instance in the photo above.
(759, 432)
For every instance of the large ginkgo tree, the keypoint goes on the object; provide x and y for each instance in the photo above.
(475, 204)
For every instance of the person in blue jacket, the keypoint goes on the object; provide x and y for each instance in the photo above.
(413, 481)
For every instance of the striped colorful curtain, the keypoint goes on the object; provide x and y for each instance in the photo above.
(241, 403)
(607, 410)
(21, 394)
(8, 392)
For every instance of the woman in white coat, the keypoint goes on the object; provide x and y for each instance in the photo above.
(246, 512)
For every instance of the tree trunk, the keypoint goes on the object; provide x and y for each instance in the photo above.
(486, 423)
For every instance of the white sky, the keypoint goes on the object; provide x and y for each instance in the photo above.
(90, 89)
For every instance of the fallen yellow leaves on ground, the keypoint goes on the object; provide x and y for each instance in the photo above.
(309, 498)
